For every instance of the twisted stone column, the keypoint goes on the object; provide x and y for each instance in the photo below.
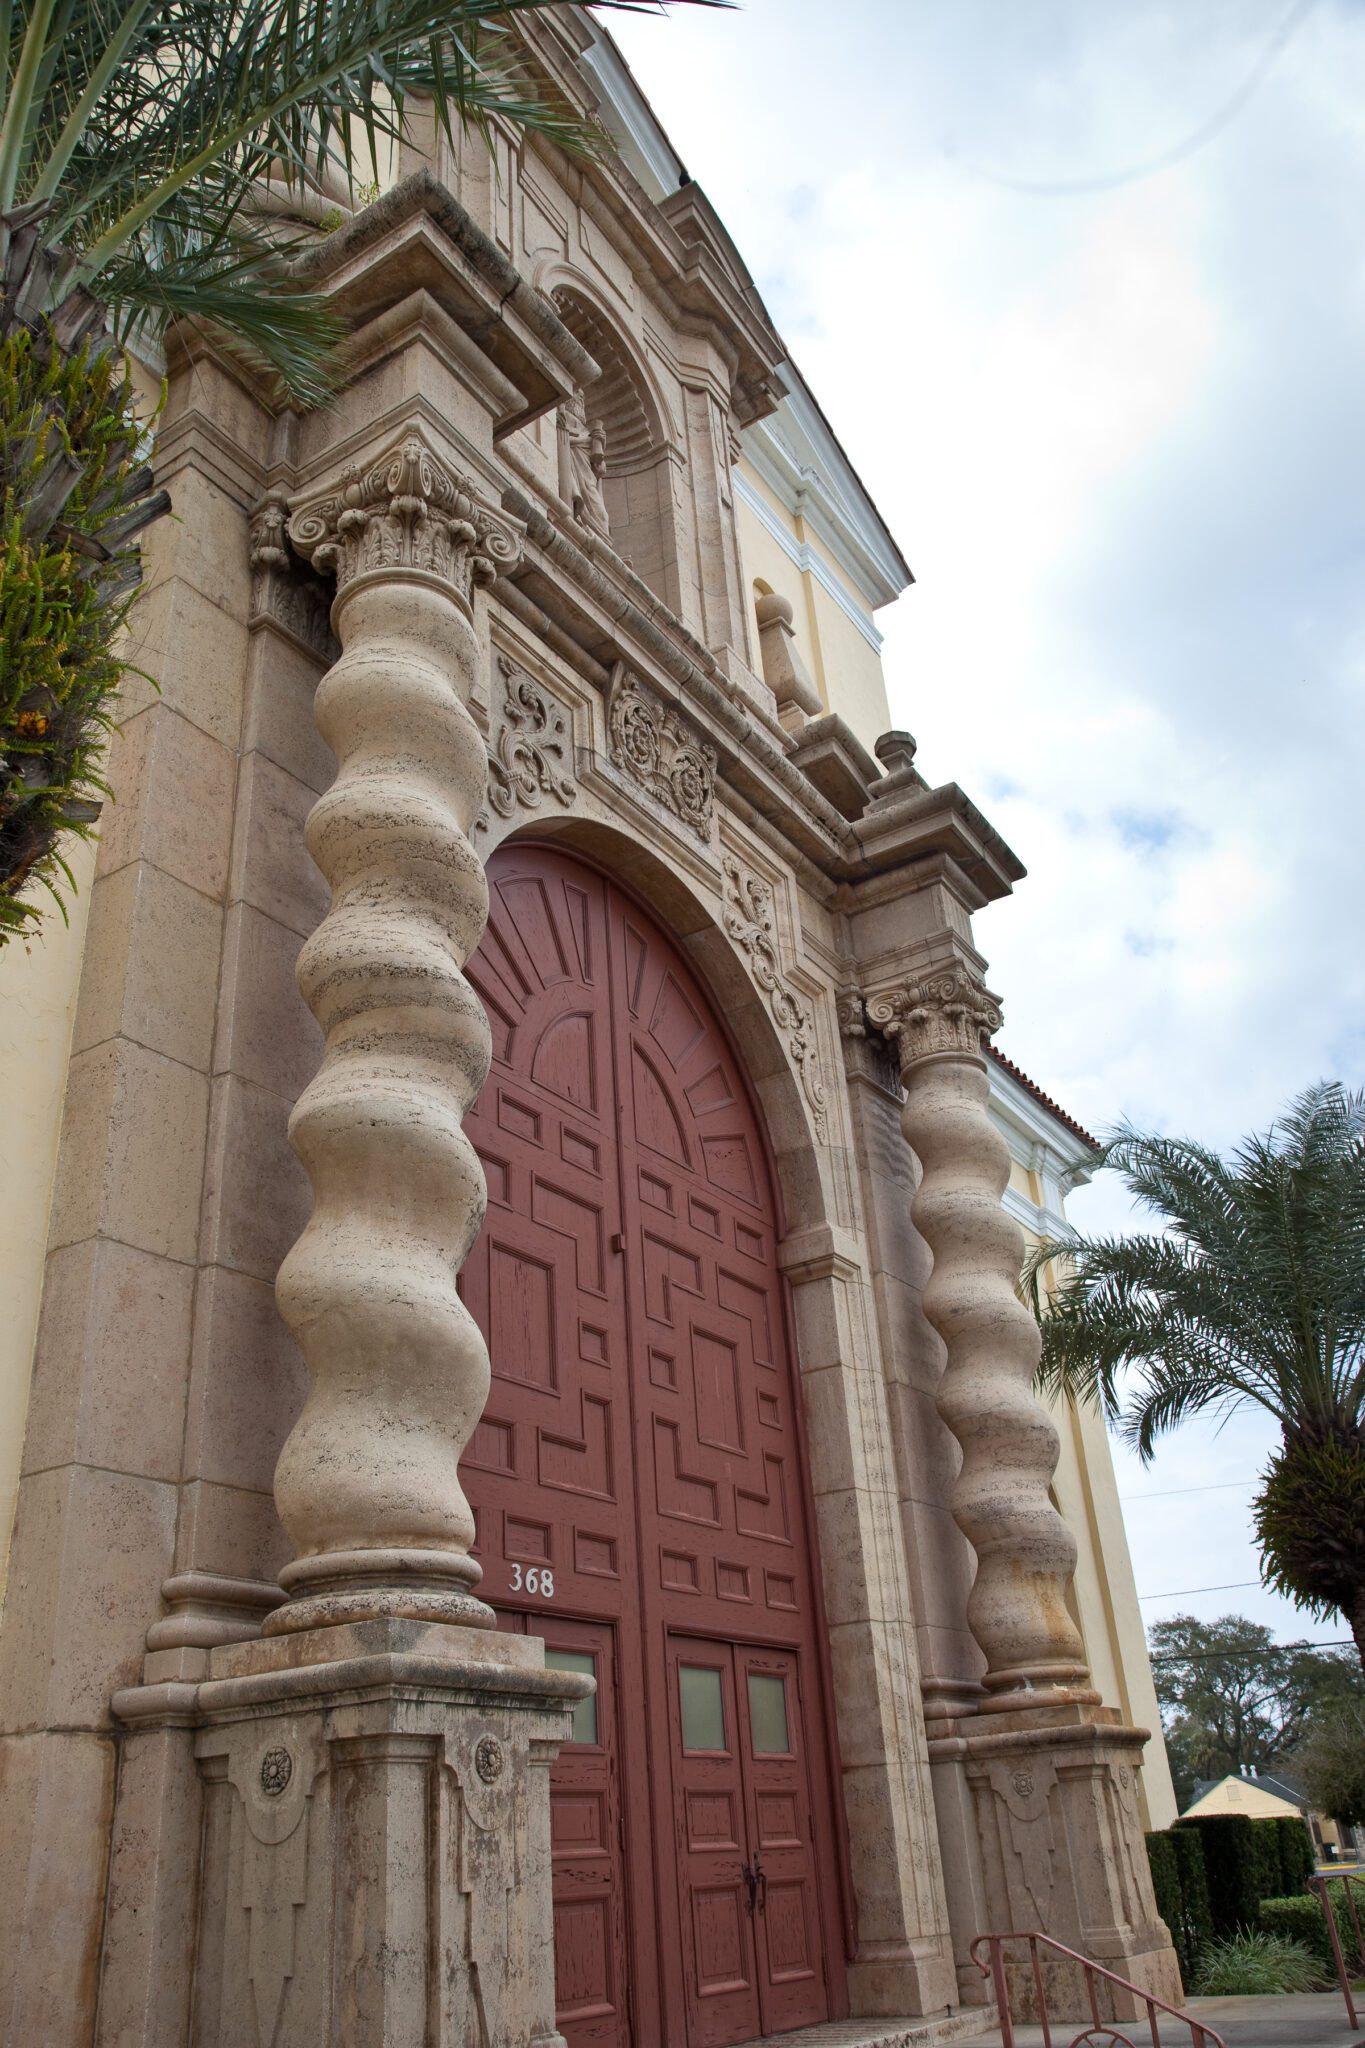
(1026, 1555)
(366, 1484)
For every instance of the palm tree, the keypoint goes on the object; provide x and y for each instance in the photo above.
(1252, 1294)
(148, 150)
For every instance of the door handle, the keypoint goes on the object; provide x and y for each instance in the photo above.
(751, 1877)
(760, 1879)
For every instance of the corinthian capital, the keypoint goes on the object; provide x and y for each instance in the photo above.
(407, 512)
(947, 1012)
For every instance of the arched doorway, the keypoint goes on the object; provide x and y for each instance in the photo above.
(636, 1475)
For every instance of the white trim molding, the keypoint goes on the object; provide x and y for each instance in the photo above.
(806, 559)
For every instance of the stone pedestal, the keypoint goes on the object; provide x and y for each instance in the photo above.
(374, 1850)
(1055, 1799)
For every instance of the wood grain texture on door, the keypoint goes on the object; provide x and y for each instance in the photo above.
(636, 1471)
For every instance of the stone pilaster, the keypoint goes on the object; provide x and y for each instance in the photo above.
(1046, 1770)
(366, 1483)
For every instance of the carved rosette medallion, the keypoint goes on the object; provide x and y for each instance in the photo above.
(751, 924)
(277, 1768)
(488, 1758)
(533, 748)
(408, 512)
(945, 1013)
(654, 746)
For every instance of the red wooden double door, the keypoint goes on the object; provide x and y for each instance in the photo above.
(636, 1476)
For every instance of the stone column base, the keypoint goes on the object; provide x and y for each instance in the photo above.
(1062, 1852)
(374, 1859)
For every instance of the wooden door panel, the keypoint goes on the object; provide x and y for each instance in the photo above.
(636, 1471)
(718, 1959)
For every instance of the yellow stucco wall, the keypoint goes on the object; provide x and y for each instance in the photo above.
(38, 987)
(846, 668)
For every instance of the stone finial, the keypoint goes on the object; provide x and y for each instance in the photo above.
(407, 511)
(784, 671)
(948, 1012)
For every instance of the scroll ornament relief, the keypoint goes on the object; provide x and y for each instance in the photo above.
(652, 744)
(281, 589)
(532, 750)
(940, 1013)
(751, 923)
(407, 511)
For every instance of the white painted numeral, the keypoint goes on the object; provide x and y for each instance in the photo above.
(540, 1579)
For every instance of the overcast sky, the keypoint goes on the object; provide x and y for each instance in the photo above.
(1081, 286)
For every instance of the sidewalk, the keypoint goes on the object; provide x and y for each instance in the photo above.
(1312, 2019)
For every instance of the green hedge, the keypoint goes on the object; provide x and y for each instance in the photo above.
(1301, 1919)
(1182, 1899)
(1298, 1859)
(1236, 1869)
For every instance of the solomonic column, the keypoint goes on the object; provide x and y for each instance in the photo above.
(366, 1484)
(1025, 1553)
(1049, 1771)
(373, 1860)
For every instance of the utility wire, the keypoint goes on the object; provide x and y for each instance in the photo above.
(1184, 1592)
(1167, 1492)
(1271, 1650)
(1205, 133)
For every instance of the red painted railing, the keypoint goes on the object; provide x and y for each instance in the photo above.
(1097, 2029)
(1349, 1885)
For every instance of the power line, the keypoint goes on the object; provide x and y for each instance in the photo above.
(1205, 133)
(1184, 1592)
(1271, 1650)
(1214, 1486)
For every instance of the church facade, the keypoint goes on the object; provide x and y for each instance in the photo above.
(533, 1525)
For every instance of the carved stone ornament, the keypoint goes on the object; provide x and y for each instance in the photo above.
(277, 1768)
(750, 922)
(282, 589)
(532, 749)
(947, 1012)
(407, 512)
(488, 1758)
(652, 744)
(851, 1012)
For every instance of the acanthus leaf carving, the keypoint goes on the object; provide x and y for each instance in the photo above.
(526, 763)
(408, 511)
(282, 589)
(944, 1012)
(751, 923)
(652, 744)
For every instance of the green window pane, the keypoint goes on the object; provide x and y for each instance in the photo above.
(585, 1711)
(768, 1714)
(703, 1708)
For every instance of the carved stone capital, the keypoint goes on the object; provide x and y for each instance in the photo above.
(283, 590)
(948, 1012)
(408, 513)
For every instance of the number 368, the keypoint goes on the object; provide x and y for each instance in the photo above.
(538, 1580)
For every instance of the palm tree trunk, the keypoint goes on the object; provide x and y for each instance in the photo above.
(1357, 1620)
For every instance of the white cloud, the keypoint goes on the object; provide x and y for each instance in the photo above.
(1120, 435)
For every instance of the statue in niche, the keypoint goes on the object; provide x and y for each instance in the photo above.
(582, 459)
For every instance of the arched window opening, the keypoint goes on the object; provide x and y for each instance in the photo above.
(614, 460)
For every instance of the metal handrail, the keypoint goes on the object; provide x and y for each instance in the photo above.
(1319, 1885)
(1097, 2029)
